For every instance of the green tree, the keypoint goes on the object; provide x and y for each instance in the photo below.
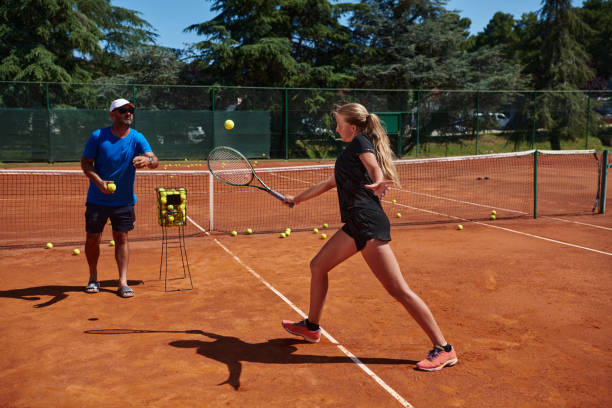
(597, 14)
(561, 65)
(271, 43)
(65, 40)
(500, 31)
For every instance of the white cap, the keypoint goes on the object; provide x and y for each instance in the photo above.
(117, 103)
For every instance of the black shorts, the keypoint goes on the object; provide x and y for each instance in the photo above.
(122, 218)
(364, 224)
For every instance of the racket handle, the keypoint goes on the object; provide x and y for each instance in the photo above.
(280, 197)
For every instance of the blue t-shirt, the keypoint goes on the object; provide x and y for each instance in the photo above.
(113, 162)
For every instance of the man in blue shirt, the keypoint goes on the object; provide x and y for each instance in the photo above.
(110, 159)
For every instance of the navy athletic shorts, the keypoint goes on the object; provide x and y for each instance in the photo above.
(122, 218)
(363, 224)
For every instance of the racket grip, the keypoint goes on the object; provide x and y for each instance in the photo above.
(280, 197)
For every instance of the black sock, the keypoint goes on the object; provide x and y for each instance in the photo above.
(312, 326)
(447, 348)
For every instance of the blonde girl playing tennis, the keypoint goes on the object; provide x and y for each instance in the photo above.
(362, 174)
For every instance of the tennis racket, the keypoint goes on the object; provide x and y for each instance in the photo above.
(230, 167)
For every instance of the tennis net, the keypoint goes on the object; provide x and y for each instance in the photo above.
(41, 206)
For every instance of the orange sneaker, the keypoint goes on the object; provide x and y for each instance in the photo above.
(300, 329)
(437, 359)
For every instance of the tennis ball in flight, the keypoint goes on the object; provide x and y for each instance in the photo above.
(76, 251)
(315, 231)
(234, 233)
(249, 231)
(111, 187)
(323, 236)
(111, 243)
(49, 245)
(229, 124)
(459, 227)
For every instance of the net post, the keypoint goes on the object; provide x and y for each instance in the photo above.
(535, 184)
(211, 202)
(604, 177)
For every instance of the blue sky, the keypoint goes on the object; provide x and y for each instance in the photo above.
(170, 17)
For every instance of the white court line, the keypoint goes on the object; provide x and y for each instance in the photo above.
(508, 229)
(350, 355)
(578, 222)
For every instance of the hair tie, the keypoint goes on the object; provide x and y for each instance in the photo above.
(367, 116)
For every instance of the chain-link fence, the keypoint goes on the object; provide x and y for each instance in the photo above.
(49, 122)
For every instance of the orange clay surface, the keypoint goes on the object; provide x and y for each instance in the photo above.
(531, 321)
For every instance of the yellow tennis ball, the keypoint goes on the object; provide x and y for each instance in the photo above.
(315, 231)
(493, 217)
(229, 124)
(493, 212)
(76, 251)
(283, 235)
(324, 225)
(49, 245)
(398, 215)
(459, 227)
(170, 218)
(288, 229)
(323, 236)
(111, 187)
(287, 232)
(170, 207)
(111, 243)
(394, 201)
(249, 231)
(255, 162)
(234, 233)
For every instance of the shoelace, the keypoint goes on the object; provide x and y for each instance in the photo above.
(433, 354)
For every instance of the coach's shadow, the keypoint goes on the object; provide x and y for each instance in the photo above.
(232, 351)
(58, 292)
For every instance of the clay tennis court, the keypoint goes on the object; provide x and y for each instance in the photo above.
(524, 301)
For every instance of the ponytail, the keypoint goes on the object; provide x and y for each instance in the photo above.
(369, 124)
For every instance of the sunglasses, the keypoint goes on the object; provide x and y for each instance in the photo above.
(124, 110)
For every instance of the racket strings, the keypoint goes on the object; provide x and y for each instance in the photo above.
(230, 167)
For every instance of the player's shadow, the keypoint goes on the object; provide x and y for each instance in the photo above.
(58, 292)
(233, 351)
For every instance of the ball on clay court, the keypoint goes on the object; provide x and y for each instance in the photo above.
(398, 215)
(493, 217)
(493, 212)
(49, 245)
(111, 243)
(76, 251)
(287, 232)
(111, 187)
(234, 233)
(229, 124)
(287, 229)
(249, 231)
(283, 235)
(459, 227)
(324, 225)
(315, 231)
(394, 201)
(323, 236)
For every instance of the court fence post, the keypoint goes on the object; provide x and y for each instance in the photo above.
(588, 121)
(477, 118)
(535, 184)
(49, 121)
(535, 115)
(604, 177)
